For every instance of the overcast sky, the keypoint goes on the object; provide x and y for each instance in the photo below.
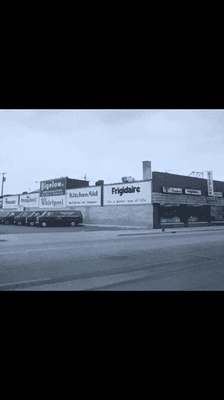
(38, 145)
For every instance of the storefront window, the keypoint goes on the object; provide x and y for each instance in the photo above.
(197, 214)
(170, 214)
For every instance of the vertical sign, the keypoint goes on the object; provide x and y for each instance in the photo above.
(210, 184)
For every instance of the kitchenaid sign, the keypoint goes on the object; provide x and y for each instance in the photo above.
(90, 196)
(29, 200)
(136, 193)
(52, 202)
(10, 201)
(53, 187)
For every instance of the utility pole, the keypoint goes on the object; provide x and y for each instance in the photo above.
(85, 177)
(3, 180)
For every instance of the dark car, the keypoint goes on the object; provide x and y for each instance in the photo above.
(59, 218)
(3, 214)
(20, 219)
(9, 218)
(30, 219)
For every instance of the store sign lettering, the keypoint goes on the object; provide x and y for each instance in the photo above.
(218, 194)
(141, 193)
(11, 201)
(91, 193)
(210, 184)
(29, 200)
(84, 197)
(54, 187)
(193, 191)
(128, 189)
(172, 190)
(54, 203)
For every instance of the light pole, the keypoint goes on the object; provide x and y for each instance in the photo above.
(3, 180)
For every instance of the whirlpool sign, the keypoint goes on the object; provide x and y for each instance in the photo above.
(52, 202)
(136, 193)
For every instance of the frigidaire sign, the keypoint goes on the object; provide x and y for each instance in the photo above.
(53, 187)
(139, 193)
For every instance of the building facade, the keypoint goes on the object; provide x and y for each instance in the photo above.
(183, 200)
(158, 200)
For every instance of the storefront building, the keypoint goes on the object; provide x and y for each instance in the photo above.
(127, 203)
(158, 200)
(184, 201)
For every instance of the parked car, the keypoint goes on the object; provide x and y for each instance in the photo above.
(30, 219)
(20, 219)
(59, 218)
(9, 218)
(3, 214)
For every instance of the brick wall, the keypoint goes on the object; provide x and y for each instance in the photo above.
(166, 198)
(217, 213)
(129, 215)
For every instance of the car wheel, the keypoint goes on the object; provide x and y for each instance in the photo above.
(73, 223)
(19, 223)
(31, 223)
(43, 224)
(6, 222)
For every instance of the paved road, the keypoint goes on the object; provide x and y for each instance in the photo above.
(112, 260)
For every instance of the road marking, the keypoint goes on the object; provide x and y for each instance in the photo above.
(99, 282)
(21, 282)
(41, 249)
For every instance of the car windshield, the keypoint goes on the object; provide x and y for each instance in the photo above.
(20, 215)
(11, 214)
(45, 212)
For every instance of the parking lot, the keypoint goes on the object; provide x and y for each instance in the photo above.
(12, 229)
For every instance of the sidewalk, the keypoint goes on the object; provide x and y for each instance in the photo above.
(145, 230)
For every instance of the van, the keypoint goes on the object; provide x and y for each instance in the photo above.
(21, 219)
(30, 219)
(59, 218)
(9, 218)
